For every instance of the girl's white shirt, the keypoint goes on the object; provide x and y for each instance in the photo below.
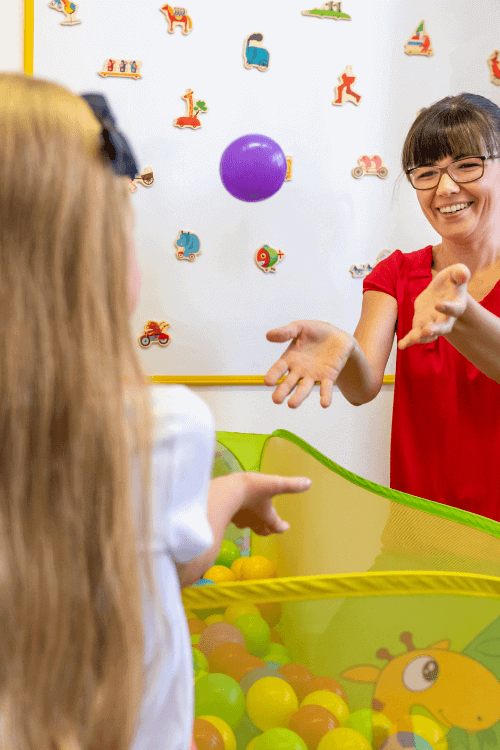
(182, 461)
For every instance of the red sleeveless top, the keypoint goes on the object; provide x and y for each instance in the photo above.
(445, 442)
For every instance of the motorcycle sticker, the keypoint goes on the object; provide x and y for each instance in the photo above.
(344, 92)
(154, 333)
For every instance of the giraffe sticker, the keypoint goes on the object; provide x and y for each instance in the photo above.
(193, 110)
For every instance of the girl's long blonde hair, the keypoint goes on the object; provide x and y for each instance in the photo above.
(71, 633)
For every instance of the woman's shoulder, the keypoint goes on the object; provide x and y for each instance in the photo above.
(176, 408)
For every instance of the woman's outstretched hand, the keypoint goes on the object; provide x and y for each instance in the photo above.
(257, 511)
(318, 353)
(438, 306)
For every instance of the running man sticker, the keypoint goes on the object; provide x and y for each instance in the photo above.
(419, 43)
(494, 67)
(344, 92)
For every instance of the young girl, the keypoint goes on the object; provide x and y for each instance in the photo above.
(95, 651)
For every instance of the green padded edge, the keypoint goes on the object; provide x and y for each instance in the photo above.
(412, 501)
(247, 452)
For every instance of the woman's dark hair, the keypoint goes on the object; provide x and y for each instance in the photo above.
(463, 125)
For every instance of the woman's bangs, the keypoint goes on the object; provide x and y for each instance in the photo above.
(449, 133)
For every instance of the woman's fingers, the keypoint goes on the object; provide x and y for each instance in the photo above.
(286, 387)
(325, 393)
(302, 392)
(276, 372)
(284, 333)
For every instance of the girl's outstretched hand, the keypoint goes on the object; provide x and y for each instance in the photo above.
(257, 511)
(318, 353)
(438, 306)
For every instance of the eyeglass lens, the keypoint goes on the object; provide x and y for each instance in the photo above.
(464, 170)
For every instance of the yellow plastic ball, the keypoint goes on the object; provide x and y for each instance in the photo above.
(251, 744)
(214, 618)
(257, 567)
(190, 615)
(219, 574)
(225, 730)
(424, 727)
(343, 738)
(237, 610)
(331, 701)
(271, 702)
(236, 567)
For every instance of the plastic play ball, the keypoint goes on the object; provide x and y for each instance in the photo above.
(251, 677)
(275, 635)
(344, 739)
(251, 744)
(256, 567)
(406, 741)
(193, 745)
(279, 738)
(331, 701)
(228, 553)
(253, 168)
(236, 567)
(200, 673)
(255, 631)
(271, 702)
(298, 677)
(224, 654)
(423, 727)
(236, 610)
(190, 614)
(196, 627)
(225, 730)
(214, 618)
(371, 724)
(271, 612)
(312, 723)
(278, 649)
(327, 683)
(245, 732)
(220, 574)
(204, 582)
(195, 639)
(200, 661)
(207, 736)
(219, 695)
(217, 633)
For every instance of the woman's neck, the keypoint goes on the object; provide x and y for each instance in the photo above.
(477, 256)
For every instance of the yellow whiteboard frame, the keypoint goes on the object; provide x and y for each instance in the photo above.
(193, 380)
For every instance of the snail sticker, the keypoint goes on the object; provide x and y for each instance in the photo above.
(121, 68)
(154, 333)
(255, 55)
(344, 92)
(177, 17)
(370, 165)
(266, 258)
(69, 9)
(193, 110)
(328, 10)
(188, 245)
(419, 43)
(494, 68)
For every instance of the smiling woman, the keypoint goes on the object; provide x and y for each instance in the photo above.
(443, 302)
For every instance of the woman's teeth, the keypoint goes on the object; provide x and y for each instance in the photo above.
(455, 208)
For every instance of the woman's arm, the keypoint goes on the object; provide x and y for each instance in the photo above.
(476, 335)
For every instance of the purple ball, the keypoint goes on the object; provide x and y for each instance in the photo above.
(253, 168)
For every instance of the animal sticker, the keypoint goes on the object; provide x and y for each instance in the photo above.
(344, 92)
(266, 258)
(457, 690)
(188, 245)
(363, 269)
(177, 17)
(254, 54)
(155, 333)
(494, 68)
(121, 68)
(370, 165)
(328, 10)
(419, 43)
(190, 120)
(69, 9)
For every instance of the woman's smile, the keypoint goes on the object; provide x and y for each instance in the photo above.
(452, 209)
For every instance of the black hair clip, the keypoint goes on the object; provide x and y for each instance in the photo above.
(114, 146)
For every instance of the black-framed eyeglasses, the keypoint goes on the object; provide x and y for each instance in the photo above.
(468, 169)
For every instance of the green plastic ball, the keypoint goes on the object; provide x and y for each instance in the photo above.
(228, 553)
(256, 633)
(219, 695)
(280, 738)
(200, 661)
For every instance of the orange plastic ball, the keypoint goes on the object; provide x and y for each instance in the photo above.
(206, 736)
(196, 627)
(298, 677)
(271, 612)
(236, 567)
(217, 633)
(256, 567)
(225, 653)
(312, 723)
(326, 683)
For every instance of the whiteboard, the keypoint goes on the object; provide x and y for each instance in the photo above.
(220, 306)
